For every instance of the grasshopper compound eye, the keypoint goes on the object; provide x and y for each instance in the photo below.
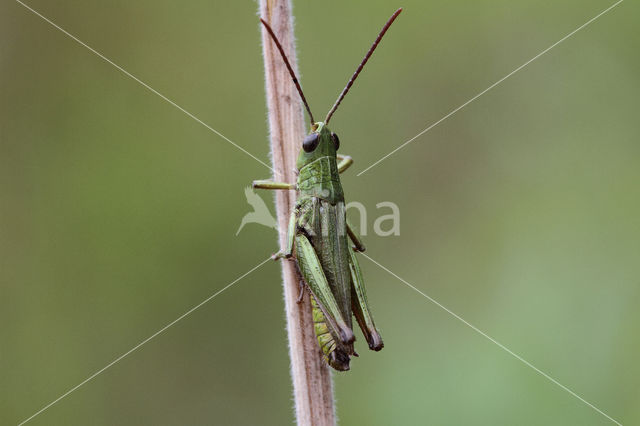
(336, 140)
(310, 142)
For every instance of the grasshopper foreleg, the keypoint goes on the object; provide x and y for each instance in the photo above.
(268, 184)
(345, 162)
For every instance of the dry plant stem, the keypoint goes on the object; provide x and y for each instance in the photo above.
(312, 385)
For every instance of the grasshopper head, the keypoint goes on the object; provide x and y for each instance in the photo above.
(320, 142)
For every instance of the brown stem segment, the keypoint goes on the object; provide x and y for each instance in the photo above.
(312, 385)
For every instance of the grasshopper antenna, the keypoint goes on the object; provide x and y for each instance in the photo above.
(362, 64)
(286, 62)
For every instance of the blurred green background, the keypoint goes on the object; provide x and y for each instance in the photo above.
(520, 212)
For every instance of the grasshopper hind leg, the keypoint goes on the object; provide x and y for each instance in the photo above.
(360, 305)
(334, 336)
(314, 276)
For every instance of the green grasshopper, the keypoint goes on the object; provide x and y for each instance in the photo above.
(318, 233)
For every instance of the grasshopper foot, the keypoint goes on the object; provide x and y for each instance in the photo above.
(301, 293)
(281, 255)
